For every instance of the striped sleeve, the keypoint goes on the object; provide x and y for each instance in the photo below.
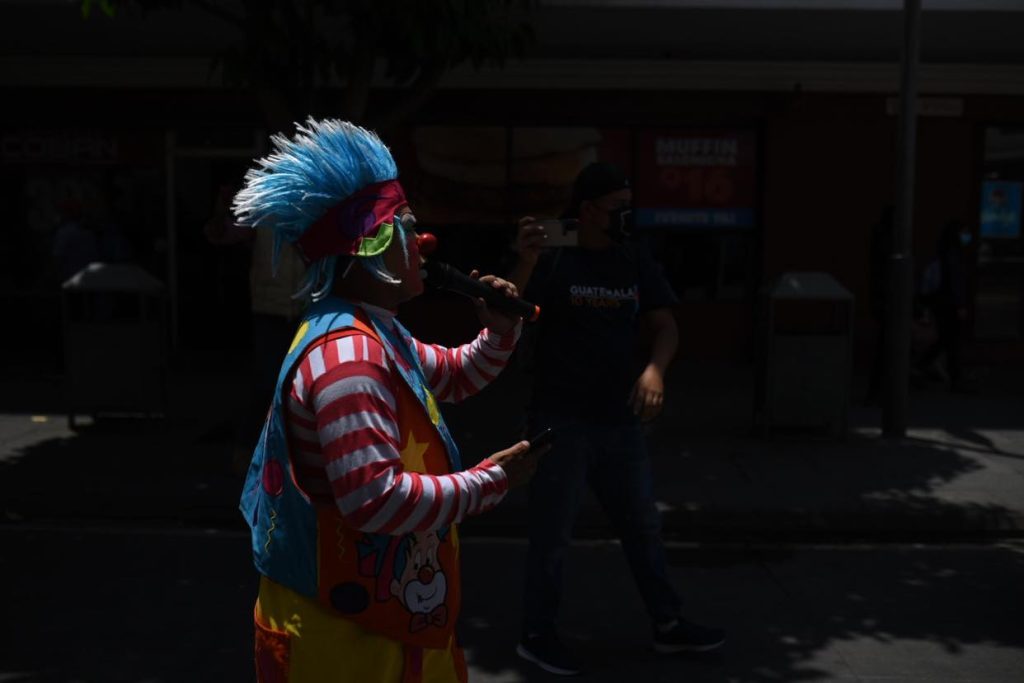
(459, 372)
(342, 406)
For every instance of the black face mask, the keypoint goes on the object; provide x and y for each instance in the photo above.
(620, 224)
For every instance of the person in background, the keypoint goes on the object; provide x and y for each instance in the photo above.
(74, 242)
(275, 315)
(944, 293)
(591, 392)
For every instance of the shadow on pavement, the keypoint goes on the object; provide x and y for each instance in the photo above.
(139, 471)
(840, 614)
(958, 474)
(123, 604)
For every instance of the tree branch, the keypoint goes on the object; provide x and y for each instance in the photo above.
(360, 68)
(219, 12)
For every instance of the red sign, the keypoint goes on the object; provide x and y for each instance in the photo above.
(687, 177)
(80, 147)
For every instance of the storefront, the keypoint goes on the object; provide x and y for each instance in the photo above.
(71, 195)
(999, 297)
(731, 188)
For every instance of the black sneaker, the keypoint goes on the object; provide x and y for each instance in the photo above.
(684, 636)
(548, 653)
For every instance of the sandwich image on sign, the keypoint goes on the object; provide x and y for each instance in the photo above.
(490, 174)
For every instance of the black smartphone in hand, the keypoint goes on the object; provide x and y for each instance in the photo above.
(541, 438)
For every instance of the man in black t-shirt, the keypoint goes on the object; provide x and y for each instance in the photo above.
(590, 389)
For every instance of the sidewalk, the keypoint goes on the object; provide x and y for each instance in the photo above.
(959, 474)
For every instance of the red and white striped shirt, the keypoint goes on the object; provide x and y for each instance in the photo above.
(344, 439)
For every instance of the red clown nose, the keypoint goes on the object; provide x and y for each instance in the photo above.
(426, 243)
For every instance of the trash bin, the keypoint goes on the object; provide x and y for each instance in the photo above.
(115, 332)
(806, 360)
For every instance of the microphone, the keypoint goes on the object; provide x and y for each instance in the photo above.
(444, 276)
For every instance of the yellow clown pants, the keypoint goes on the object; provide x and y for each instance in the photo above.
(300, 641)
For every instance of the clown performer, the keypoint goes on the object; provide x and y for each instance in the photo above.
(356, 486)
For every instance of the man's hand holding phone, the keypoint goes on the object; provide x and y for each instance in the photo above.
(536, 234)
(530, 239)
(561, 232)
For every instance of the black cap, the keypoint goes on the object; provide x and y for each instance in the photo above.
(595, 180)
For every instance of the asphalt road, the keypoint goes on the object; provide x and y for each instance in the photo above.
(172, 604)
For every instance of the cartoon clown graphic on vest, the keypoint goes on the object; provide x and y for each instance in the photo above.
(408, 569)
(356, 486)
(420, 582)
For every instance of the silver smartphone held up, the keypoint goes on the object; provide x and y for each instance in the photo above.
(561, 232)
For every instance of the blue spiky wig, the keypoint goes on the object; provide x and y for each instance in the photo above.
(332, 191)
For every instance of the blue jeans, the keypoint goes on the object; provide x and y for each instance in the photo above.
(612, 458)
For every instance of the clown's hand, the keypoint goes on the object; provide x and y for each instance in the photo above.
(496, 321)
(519, 462)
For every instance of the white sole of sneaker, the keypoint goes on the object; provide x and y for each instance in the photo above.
(550, 668)
(676, 649)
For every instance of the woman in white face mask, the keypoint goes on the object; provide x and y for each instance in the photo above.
(944, 292)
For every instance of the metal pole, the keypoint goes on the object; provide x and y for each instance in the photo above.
(170, 211)
(900, 266)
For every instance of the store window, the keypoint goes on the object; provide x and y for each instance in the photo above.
(999, 297)
(696, 195)
(471, 184)
(71, 197)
